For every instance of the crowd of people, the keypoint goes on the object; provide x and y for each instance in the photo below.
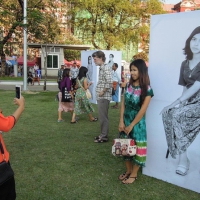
(34, 74)
(178, 121)
(75, 81)
(134, 104)
(136, 98)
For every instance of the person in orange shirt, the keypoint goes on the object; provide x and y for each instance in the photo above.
(7, 189)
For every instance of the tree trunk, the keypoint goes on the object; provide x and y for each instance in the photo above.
(45, 69)
(45, 74)
(3, 63)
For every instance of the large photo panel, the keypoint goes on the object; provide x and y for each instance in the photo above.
(172, 123)
(93, 70)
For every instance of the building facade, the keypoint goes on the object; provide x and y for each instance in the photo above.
(187, 5)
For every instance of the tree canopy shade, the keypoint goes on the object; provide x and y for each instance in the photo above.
(41, 23)
(112, 24)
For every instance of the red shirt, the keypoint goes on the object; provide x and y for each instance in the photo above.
(6, 124)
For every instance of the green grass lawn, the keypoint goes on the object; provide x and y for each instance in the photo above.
(8, 78)
(58, 161)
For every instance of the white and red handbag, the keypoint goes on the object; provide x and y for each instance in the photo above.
(124, 147)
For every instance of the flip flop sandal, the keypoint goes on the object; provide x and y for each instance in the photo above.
(101, 140)
(123, 176)
(74, 122)
(135, 178)
(60, 120)
(94, 120)
(97, 137)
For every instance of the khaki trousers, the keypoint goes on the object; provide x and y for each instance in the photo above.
(103, 106)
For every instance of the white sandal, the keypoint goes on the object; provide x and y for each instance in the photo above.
(182, 169)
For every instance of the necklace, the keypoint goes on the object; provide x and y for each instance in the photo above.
(192, 71)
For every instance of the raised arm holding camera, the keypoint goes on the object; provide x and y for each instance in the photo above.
(7, 184)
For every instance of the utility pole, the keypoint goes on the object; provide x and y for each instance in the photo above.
(25, 44)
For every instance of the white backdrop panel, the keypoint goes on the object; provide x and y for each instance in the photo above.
(167, 40)
(94, 70)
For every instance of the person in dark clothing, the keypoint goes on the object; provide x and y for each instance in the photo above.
(30, 78)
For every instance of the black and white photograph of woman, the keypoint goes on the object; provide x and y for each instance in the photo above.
(111, 61)
(90, 74)
(181, 119)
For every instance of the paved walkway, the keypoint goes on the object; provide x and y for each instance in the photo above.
(10, 85)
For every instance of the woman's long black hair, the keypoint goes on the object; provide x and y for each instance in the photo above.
(186, 49)
(82, 72)
(66, 73)
(144, 81)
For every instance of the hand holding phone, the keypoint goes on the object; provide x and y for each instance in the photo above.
(18, 91)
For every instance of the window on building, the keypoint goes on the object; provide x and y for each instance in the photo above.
(53, 49)
(52, 61)
(56, 49)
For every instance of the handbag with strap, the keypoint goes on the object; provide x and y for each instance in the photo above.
(87, 92)
(66, 96)
(6, 171)
(124, 147)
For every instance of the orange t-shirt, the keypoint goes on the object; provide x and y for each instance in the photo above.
(6, 123)
(115, 85)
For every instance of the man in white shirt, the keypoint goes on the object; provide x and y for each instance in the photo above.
(74, 73)
(116, 82)
(36, 67)
(31, 69)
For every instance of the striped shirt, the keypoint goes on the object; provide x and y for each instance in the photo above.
(104, 83)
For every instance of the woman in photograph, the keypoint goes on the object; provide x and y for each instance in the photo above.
(111, 61)
(132, 123)
(89, 74)
(90, 69)
(181, 118)
(65, 106)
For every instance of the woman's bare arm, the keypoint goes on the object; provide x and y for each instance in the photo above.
(20, 102)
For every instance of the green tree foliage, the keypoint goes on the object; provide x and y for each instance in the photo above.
(140, 55)
(41, 24)
(72, 54)
(112, 24)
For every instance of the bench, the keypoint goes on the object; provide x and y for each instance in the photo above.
(36, 79)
